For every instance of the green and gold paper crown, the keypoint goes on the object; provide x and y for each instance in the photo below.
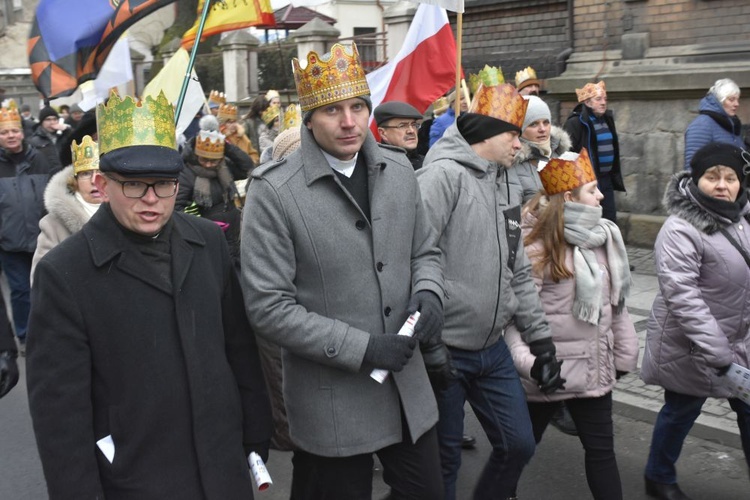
(330, 78)
(292, 117)
(489, 76)
(125, 122)
(270, 114)
(85, 155)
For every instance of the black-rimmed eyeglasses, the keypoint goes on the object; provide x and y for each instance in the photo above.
(404, 126)
(137, 189)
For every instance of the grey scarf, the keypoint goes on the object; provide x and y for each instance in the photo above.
(202, 188)
(586, 230)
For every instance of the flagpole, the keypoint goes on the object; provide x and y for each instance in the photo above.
(459, 90)
(191, 62)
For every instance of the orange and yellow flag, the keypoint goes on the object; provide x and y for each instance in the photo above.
(230, 15)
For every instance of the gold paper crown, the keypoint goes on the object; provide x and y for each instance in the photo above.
(227, 112)
(216, 97)
(567, 172)
(210, 144)
(473, 83)
(502, 102)
(292, 117)
(526, 77)
(440, 106)
(590, 90)
(334, 77)
(9, 117)
(270, 114)
(123, 122)
(85, 155)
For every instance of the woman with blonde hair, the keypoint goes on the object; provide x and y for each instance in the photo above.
(580, 266)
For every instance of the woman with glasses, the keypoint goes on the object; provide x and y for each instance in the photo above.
(71, 198)
(207, 188)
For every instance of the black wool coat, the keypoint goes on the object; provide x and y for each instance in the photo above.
(170, 373)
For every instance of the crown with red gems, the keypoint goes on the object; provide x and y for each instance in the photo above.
(566, 173)
(227, 112)
(497, 99)
(333, 77)
(85, 155)
(210, 144)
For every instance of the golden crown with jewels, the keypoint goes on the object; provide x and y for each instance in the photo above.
(292, 117)
(226, 113)
(85, 155)
(566, 173)
(9, 117)
(497, 99)
(210, 144)
(125, 122)
(333, 77)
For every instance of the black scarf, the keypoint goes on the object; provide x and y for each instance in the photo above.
(731, 124)
(727, 209)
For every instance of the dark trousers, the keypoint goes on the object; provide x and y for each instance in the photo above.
(17, 268)
(412, 470)
(609, 210)
(593, 419)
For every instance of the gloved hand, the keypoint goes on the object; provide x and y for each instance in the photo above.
(8, 372)
(539, 347)
(723, 370)
(430, 324)
(546, 372)
(389, 352)
(437, 360)
(260, 448)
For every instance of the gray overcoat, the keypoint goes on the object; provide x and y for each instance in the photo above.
(319, 279)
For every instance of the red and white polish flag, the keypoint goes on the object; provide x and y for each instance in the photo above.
(425, 67)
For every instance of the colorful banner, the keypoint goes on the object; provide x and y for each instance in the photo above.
(228, 16)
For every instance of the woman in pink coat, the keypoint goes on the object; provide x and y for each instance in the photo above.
(581, 270)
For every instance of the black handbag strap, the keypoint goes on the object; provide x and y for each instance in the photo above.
(736, 245)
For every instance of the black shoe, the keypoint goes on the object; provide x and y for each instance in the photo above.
(468, 442)
(664, 491)
(563, 422)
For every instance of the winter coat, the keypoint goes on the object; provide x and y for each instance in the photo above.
(171, 373)
(245, 145)
(700, 318)
(523, 177)
(713, 124)
(580, 128)
(441, 124)
(320, 279)
(42, 141)
(65, 215)
(591, 354)
(21, 199)
(471, 220)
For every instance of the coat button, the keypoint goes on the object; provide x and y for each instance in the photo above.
(331, 350)
(379, 267)
(360, 224)
(387, 311)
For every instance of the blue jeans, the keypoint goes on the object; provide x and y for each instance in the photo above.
(675, 420)
(17, 268)
(489, 381)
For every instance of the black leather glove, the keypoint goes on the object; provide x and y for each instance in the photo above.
(389, 352)
(543, 346)
(260, 448)
(619, 374)
(723, 370)
(546, 372)
(437, 360)
(430, 324)
(8, 372)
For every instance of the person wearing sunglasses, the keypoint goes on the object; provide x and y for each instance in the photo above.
(398, 124)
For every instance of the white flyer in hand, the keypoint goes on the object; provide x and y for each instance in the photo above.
(738, 379)
(260, 472)
(378, 374)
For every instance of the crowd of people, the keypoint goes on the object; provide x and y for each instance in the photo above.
(235, 294)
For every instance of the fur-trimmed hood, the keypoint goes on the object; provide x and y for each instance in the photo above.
(559, 142)
(61, 203)
(679, 202)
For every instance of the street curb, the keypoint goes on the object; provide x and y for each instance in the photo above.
(706, 427)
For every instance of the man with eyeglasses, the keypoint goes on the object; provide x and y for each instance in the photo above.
(143, 374)
(398, 124)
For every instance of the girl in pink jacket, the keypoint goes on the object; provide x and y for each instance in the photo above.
(581, 270)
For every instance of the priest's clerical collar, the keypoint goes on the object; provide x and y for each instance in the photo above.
(345, 167)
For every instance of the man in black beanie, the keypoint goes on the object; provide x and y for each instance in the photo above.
(46, 136)
(466, 195)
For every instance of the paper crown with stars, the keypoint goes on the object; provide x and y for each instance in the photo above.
(332, 77)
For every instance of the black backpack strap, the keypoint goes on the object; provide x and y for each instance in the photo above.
(735, 245)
